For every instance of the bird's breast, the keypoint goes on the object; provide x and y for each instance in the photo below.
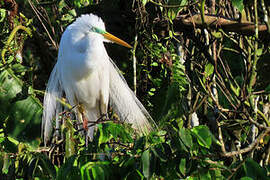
(81, 65)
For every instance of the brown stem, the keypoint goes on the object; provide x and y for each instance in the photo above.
(187, 23)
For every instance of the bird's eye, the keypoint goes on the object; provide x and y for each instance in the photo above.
(93, 29)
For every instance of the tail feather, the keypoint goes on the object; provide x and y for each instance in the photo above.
(125, 103)
(51, 106)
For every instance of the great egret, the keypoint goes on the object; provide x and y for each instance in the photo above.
(88, 78)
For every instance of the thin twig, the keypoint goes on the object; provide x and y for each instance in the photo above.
(134, 63)
(252, 146)
(236, 169)
(93, 123)
(35, 11)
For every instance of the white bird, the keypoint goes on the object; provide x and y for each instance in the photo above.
(86, 76)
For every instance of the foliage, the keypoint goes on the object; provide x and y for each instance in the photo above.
(206, 87)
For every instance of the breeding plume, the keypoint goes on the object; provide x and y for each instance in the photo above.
(86, 76)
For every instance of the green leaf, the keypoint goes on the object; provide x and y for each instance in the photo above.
(217, 35)
(2, 139)
(98, 172)
(6, 163)
(18, 107)
(159, 151)
(128, 162)
(203, 135)
(172, 12)
(111, 130)
(9, 146)
(139, 143)
(254, 170)
(18, 68)
(140, 174)
(104, 134)
(186, 137)
(144, 2)
(204, 175)
(70, 140)
(238, 4)
(209, 69)
(267, 89)
(182, 166)
(68, 170)
(154, 64)
(61, 5)
(170, 34)
(146, 163)
(236, 89)
(202, 82)
(246, 178)
(2, 15)
(259, 51)
(47, 165)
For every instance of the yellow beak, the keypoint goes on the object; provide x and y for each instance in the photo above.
(116, 40)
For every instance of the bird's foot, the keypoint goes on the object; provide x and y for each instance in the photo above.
(85, 122)
(86, 140)
(85, 127)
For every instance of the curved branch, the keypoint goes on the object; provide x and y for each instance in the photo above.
(253, 145)
(11, 36)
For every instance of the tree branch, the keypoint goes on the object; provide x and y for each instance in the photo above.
(185, 23)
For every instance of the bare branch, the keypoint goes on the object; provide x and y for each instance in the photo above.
(184, 23)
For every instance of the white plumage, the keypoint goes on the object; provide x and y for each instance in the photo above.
(86, 75)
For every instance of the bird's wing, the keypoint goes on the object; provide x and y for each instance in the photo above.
(51, 104)
(125, 103)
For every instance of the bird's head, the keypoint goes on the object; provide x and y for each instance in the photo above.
(93, 23)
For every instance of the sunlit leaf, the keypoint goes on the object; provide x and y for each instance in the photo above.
(154, 64)
(2, 14)
(238, 4)
(209, 69)
(217, 34)
(70, 140)
(144, 2)
(111, 130)
(203, 135)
